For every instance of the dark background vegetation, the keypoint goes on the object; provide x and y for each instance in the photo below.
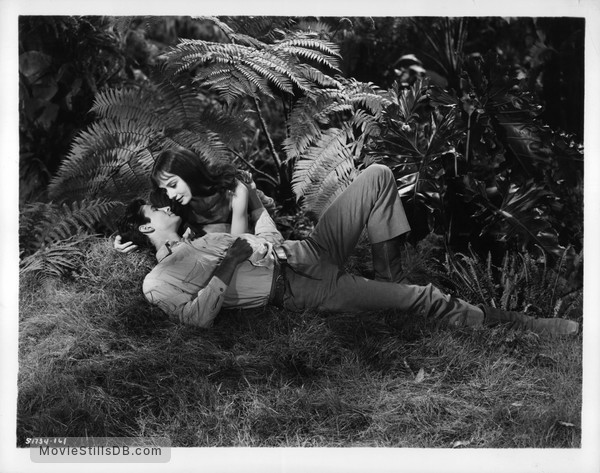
(514, 87)
(483, 131)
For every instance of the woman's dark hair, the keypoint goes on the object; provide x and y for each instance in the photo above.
(203, 179)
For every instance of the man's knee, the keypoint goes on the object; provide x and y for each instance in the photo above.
(378, 176)
(378, 171)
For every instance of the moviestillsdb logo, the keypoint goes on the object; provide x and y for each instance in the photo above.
(99, 450)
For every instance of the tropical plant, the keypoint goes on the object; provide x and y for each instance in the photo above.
(520, 282)
(204, 96)
(197, 99)
(50, 236)
(59, 74)
(471, 157)
(473, 161)
(244, 70)
(327, 135)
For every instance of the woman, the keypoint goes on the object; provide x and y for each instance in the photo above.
(208, 199)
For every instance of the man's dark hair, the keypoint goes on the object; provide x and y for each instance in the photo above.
(129, 224)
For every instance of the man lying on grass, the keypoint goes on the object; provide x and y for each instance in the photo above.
(194, 279)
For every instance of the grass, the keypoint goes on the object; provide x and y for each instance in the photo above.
(96, 360)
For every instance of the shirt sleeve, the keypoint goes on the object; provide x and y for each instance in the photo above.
(265, 226)
(199, 310)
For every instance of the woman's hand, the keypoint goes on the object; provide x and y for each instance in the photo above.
(126, 247)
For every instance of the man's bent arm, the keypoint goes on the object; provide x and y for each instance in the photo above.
(202, 309)
(199, 310)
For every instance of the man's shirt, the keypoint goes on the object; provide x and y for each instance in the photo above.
(182, 283)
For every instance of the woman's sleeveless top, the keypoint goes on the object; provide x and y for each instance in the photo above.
(212, 213)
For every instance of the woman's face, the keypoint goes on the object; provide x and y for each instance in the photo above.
(176, 188)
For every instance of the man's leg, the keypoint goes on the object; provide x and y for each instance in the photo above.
(346, 292)
(337, 291)
(370, 201)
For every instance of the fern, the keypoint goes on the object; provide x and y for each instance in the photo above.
(127, 104)
(522, 282)
(235, 71)
(319, 196)
(42, 224)
(113, 156)
(328, 133)
(325, 170)
(50, 235)
(473, 280)
(55, 260)
(327, 152)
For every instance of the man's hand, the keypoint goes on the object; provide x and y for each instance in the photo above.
(126, 247)
(239, 251)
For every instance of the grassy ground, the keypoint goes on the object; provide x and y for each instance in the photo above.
(96, 360)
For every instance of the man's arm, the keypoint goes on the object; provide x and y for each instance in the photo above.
(202, 309)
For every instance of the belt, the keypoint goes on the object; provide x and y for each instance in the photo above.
(278, 286)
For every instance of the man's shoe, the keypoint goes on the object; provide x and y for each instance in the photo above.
(520, 321)
(387, 259)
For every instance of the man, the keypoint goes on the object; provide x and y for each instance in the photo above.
(193, 280)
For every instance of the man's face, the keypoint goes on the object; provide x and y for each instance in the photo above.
(161, 218)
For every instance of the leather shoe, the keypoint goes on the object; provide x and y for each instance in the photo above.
(520, 321)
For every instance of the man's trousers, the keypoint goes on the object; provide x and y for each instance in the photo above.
(318, 281)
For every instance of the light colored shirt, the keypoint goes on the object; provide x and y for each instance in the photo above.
(182, 283)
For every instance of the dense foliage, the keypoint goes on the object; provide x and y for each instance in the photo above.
(459, 115)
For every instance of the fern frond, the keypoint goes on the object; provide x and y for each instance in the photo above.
(306, 47)
(369, 100)
(327, 152)
(128, 105)
(319, 28)
(180, 104)
(44, 224)
(319, 196)
(276, 65)
(367, 123)
(77, 217)
(231, 85)
(236, 82)
(109, 133)
(113, 156)
(81, 176)
(34, 218)
(54, 260)
(304, 130)
(352, 113)
(259, 68)
(208, 145)
(316, 76)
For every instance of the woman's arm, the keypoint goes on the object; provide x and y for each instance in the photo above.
(239, 210)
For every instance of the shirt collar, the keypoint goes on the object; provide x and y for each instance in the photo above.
(166, 249)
